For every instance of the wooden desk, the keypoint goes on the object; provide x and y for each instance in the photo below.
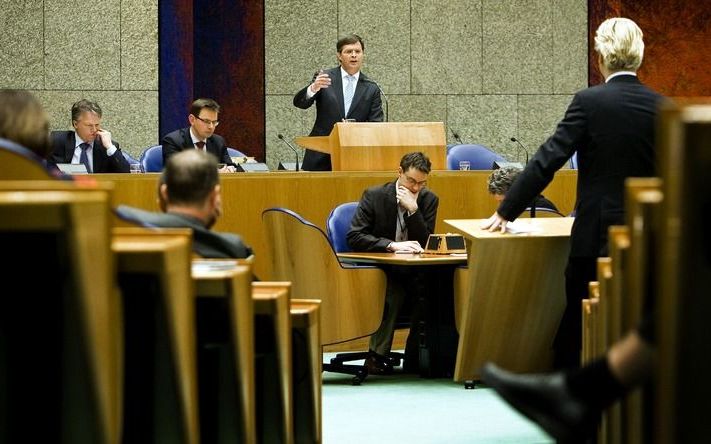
(462, 195)
(516, 297)
(273, 321)
(159, 308)
(435, 331)
(306, 340)
(402, 259)
(227, 279)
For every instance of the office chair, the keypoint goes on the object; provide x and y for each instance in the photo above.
(541, 212)
(152, 159)
(352, 298)
(235, 153)
(20, 163)
(479, 157)
(337, 225)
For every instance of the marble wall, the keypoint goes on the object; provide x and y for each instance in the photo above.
(490, 69)
(103, 50)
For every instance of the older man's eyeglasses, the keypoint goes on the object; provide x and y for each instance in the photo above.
(208, 121)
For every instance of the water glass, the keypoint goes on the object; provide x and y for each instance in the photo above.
(464, 165)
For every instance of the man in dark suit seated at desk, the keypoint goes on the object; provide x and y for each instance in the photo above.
(189, 196)
(200, 135)
(398, 217)
(88, 143)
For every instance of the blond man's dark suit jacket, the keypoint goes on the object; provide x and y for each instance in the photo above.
(611, 126)
(64, 144)
(180, 140)
(365, 107)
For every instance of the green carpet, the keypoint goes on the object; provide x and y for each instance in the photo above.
(409, 409)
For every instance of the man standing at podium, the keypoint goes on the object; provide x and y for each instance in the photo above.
(397, 217)
(341, 94)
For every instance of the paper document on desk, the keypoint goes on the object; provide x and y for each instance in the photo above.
(522, 227)
(213, 265)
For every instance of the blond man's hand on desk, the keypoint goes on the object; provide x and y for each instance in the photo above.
(494, 222)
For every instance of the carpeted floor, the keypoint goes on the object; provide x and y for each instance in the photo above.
(408, 409)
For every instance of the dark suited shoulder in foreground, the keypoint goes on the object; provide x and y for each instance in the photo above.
(206, 243)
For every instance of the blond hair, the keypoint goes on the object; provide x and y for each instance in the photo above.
(619, 42)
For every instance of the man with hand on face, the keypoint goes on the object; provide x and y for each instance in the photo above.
(88, 144)
(200, 135)
(340, 93)
(397, 217)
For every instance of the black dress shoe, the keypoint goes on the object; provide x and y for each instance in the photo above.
(378, 364)
(546, 400)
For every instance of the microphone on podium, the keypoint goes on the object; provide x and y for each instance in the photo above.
(296, 153)
(513, 139)
(387, 104)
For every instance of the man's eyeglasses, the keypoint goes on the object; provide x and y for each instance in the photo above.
(412, 182)
(208, 121)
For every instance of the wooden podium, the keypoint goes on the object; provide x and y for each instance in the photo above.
(378, 146)
(514, 297)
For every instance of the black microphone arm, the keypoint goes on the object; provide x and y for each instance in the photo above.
(281, 137)
(387, 104)
(513, 139)
(456, 136)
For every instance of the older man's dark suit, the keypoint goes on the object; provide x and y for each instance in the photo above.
(365, 107)
(180, 140)
(611, 126)
(206, 243)
(373, 228)
(64, 143)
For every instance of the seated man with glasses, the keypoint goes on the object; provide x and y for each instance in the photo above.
(200, 135)
(398, 216)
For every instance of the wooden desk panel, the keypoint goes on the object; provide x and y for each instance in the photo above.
(411, 259)
(515, 297)
(463, 195)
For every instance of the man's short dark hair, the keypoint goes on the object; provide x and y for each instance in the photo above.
(199, 104)
(190, 176)
(85, 106)
(501, 180)
(349, 39)
(416, 160)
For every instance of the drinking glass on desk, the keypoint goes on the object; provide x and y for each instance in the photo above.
(464, 165)
(135, 168)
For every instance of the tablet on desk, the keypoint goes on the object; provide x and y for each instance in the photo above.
(72, 168)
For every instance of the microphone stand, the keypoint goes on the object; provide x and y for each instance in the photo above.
(296, 153)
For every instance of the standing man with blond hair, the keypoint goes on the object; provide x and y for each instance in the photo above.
(611, 126)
